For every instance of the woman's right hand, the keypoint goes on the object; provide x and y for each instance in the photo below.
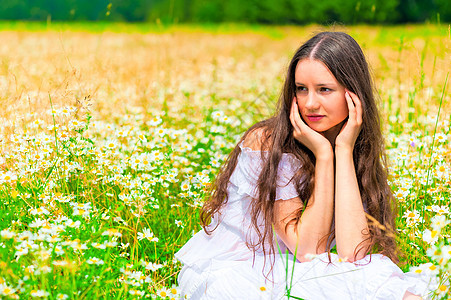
(313, 140)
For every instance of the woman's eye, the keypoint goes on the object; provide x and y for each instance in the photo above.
(301, 88)
(324, 89)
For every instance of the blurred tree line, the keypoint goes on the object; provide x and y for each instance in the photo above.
(215, 11)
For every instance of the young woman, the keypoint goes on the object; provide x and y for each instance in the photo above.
(306, 180)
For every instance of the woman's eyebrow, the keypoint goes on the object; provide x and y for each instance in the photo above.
(319, 84)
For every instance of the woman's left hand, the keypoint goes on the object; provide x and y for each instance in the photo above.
(351, 129)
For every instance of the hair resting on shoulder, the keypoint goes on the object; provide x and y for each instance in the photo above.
(345, 59)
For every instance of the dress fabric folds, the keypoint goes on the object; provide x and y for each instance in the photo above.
(221, 266)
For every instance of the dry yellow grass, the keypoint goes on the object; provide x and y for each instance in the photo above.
(118, 71)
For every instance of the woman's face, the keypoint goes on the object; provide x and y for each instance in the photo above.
(320, 98)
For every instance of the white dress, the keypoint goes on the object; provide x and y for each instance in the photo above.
(221, 266)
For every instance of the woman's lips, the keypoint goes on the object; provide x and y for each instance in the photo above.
(314, 118)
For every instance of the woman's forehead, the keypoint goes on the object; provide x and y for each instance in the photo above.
(313, 70)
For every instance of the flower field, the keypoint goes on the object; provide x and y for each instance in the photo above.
(111, 136)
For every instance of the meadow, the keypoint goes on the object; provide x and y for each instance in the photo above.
(111, 135)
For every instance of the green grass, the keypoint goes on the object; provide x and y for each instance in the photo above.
(97, 207)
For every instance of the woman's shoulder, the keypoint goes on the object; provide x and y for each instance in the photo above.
(256, 139)
(257, 143)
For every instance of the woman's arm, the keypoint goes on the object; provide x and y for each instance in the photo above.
(315, 222)
(351, 227)
(316, 219)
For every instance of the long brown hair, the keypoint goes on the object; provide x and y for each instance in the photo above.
(345, 59)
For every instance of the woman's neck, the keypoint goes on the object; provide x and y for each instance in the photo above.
(332, 133)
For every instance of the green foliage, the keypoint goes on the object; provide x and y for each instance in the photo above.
(214, 11)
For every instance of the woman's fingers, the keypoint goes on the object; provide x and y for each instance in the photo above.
(354, 106)
(359, 111)
(351, 106)
(296, 129)
(297, 118)
(301, 130)
(293, 122)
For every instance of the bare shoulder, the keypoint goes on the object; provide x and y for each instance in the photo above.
(256, 138)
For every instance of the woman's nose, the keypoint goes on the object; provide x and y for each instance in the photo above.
(312, 103)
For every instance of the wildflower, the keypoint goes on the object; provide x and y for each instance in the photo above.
(112, 232)
(438, 222)
(53, 127)
(81, 209)
(152, 266)
(60, 263)
(179, 223)
(76, 245)
(39, 293)
(6, 290)
(95, 260)
(440, 209)
(142, 138)
(434, 253)
(442, 289)
(185, 186)
(111, 145)
(43, 270)
(75, 124)
(174, 291)
(136, 293)
(186, 146)
(441, 170)
(62, 297)
(216, 115)
(72, 224)
(59, 250)
(225, 120)
(430, 236)
(110, 244)
(433, 269)
(155, 121)
(218, 129)
(427, 268)
(64, 111)
(20, 252)
(156, 156)
(44, 254)
(7, 177)
(98, 245)
(163, 292)
(7, 234)
(441, 138)
(81, 212)
(215, 163)
(37, 223)
(147, 234)
(412, 217)
(416, 269)
(161, 132)
(401, 194)
(446, 253)
(38, 123)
